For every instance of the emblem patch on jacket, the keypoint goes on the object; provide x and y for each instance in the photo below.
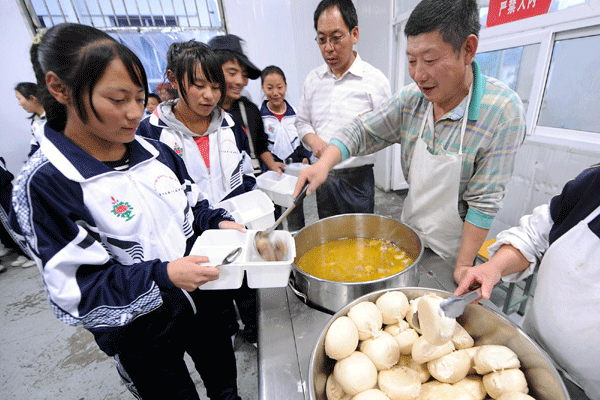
(122, 209)
(178, 149)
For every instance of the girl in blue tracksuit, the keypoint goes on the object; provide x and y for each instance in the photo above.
(214, 148)
(111, 218)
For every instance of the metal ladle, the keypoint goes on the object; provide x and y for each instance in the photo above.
(260, 235)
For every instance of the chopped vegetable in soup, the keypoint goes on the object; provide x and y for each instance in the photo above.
(355, 260)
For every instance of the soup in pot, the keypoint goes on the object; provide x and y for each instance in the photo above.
(355, 260)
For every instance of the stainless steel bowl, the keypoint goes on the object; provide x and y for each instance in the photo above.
(330, 296)
(485, 325)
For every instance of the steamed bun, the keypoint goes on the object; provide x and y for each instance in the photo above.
(341, 339)
(450, 368)
(368, 319)
(394, 307)
(423, 351)
(355, 373)
(400, 383)
(334, 391)
(494, 357)
(505, 381)
(371, 394)
(382, 350)
(435, 327)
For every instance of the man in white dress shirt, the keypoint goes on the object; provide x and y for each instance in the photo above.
(334, 94)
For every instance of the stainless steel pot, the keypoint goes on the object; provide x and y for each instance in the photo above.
(485, 325)
(330, 296)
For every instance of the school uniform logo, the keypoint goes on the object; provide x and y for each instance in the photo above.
(271, 128)
(122, 209)
(178, 149)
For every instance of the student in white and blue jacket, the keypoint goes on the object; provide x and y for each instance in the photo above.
(279, 118)
(111, 217)
(214, 148)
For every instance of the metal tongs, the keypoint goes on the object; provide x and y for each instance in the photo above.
(454, 306)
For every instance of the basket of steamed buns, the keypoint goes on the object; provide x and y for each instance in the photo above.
(395, 344)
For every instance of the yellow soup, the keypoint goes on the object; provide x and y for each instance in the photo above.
(354, 260)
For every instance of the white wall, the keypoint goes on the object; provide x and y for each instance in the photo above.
(14, 68)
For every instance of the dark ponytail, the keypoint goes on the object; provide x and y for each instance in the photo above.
(182, 58)
(78, 55)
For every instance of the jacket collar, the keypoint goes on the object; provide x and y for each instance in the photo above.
(79, 166)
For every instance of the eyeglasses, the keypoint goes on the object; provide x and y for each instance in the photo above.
(334, 40)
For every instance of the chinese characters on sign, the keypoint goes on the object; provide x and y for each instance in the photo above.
(503, 11)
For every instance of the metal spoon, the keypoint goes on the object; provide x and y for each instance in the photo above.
(229, 258)
(260, 235)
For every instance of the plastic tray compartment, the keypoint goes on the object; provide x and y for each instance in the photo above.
(217, 243)
(279, 188)
(295, 168)
(252, 209)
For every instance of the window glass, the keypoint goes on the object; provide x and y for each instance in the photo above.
(571, 98)
(512, 66)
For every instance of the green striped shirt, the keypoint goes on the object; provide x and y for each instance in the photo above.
(495, 131)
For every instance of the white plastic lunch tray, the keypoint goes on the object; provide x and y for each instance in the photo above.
(252, 209)
(279, 188)
(217, 243)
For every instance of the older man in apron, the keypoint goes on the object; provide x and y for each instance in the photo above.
(459, 132)
(564, 316)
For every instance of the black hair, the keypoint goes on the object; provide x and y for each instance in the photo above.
(182, 58)
(79, 55)
(346, 8)
(28, 90)
(155, 96)
(455, 19)
(271, 69)
(225, 55)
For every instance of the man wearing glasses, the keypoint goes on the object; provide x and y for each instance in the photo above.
(334, 93)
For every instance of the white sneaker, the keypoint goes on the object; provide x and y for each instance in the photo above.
(2, 268)
(4, 251)
(28, 263)
(19, 261)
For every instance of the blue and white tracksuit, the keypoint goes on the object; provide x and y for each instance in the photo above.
(283, 135)
(102, 238)
(230, 172)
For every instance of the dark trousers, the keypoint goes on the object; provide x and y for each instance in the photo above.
(245, 300)
(156, 366)
(348, 190)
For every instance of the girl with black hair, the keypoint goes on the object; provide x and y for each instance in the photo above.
(214, 149)
(26, 93)
(111, 218)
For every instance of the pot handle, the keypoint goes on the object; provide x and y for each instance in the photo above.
(291, 284)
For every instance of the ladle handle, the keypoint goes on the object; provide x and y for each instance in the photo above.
(297, 201)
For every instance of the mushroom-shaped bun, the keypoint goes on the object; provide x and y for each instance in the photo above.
(471, 351)
(400, 383)
(423, 351)
(405, 340)
(461, 338)
(334, 391)
(341, 339)
(435, 327)
(355, 373)
(382, 350)
(396, 328)
(515, 396)
(473, 385)
(368, 319)
(450, 368)
(393, 306)
(421, 369)
(442, 391)
(371, 394)
(505, 381)
(494, 357)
